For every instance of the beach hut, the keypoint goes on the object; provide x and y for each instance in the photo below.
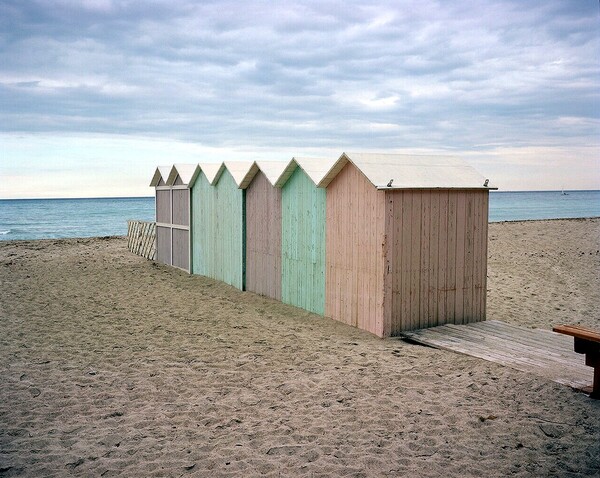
(178, 181)
(406, 242)
(163, 213)
(218, 221)
(303, 233)
(173, 214)
(263, 229)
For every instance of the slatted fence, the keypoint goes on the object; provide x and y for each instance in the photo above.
(141, 238)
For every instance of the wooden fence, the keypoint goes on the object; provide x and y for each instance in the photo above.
(141, 238)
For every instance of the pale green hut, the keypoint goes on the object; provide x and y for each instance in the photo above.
(218, 221)
(303, 233)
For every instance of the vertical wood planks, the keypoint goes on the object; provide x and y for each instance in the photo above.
(263, 237)
(163, 205)
(441, 245)
(438, 257)
(181, 207)
(163, 244)
(303, 243)
(355, 263)
(217, 229)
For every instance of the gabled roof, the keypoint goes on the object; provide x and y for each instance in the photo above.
(184, 171)
(241, 171)
(410, 171)
(315, 169)
(211, 170)
(271, 169)
(162, 172)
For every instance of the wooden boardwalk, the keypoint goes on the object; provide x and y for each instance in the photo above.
(541, 352)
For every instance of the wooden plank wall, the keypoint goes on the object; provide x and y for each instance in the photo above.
(263, 237)
(163, 245)
(163, 215)
(141, 238)
(303, 243)
(438, 257)
(354, 245)
(181, 248)
(181, 207)
(163, 205)
(218, 247)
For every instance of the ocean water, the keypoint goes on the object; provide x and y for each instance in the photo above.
(527, 205)
(56, 218)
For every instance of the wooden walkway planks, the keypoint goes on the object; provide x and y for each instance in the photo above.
(541, 352)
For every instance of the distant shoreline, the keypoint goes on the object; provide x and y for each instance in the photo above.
(152, 196)
(91, 238)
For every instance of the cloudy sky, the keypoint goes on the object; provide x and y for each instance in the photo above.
(95, 94)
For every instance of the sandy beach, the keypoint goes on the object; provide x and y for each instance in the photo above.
(112, 365)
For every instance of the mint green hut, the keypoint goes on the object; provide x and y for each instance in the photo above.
(303, 233)
(218, 221)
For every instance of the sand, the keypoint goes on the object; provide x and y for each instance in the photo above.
(111, 365)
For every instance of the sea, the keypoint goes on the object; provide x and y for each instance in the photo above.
(61, 218)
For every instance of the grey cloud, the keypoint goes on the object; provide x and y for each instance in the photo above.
(302, 73)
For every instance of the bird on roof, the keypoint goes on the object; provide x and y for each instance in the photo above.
(389, 185)
(485, 185)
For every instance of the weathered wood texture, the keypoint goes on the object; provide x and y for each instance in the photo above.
(181, 207)
(263, 237)
(181, 248)
(303, 243)
(541, 352)
(141, 238)
(437, 241)
(163, 216)
(218, 230)
(163, 245)
(355, 251)
(173, 218)
(163, 205)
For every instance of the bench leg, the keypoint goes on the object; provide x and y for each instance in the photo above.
(592, 359)
(596, 387)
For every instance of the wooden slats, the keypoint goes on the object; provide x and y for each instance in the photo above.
(354, 251)
(218, 229)
(263, 237)
(437, 250)
(541, 352)
(141, 238)
(303, 243)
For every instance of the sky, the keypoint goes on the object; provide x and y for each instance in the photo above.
(95, 94)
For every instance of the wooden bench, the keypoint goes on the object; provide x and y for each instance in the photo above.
(587, 342)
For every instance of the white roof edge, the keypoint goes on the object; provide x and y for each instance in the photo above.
(272, 170)
(242, 172)
(184, 171)
(161, 172)
(314, 168)
(211, 170)
(407, 171)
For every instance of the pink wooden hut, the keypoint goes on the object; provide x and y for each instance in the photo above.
(406, 242)
(263, 229)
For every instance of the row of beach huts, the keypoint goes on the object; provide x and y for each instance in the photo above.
(383, 242)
